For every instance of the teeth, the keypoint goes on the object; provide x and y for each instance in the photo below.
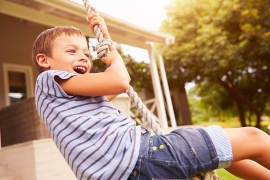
(80, 69)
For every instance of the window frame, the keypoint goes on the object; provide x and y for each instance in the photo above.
(27, 70)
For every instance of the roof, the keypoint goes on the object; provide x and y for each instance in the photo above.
(65, 12)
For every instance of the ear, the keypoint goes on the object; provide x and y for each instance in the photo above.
(42, 61)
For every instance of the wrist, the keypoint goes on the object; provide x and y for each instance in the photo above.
(107, 36)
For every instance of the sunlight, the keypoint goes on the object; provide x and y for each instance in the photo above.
(147, 14)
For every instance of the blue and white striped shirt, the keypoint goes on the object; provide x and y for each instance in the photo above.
(96, 140)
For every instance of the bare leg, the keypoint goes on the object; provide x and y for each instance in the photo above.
(253, 144)
(249, 170)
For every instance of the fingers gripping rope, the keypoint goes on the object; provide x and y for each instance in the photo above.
(103, 51)
(103, 47)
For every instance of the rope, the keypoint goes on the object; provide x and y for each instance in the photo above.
(103, 51)
(146, 114)
(209, 175)
(103, 46)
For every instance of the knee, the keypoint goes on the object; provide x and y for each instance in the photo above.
(248, 142)
(256, 135)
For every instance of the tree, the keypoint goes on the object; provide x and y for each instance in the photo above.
(222, 42)
(216, 105)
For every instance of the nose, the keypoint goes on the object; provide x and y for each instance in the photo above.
(84, 57)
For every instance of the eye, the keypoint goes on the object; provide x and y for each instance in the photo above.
(72, 51)
(87, 55)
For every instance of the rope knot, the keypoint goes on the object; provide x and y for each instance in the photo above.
(103, 48)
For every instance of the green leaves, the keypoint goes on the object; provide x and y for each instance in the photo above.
(140, 75)
(217, 39)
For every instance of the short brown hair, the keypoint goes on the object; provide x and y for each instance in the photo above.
(44, 41)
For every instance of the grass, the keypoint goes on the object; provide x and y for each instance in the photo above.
(234, 123)
(225, 175)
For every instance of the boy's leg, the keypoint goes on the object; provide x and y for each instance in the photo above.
(249, 170)
(249, 143)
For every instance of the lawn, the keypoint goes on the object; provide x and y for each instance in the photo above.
(224, 175)
(234, 123)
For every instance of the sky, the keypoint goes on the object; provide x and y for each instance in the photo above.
(145, 13)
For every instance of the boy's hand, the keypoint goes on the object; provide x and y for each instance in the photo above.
(94, 19)
(113, 56)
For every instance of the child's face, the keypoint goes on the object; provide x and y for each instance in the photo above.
(71, 54)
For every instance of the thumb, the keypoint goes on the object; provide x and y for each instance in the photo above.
(112, 48)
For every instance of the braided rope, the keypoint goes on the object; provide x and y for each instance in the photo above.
(103, 46)
(103, 51)
(146, 114)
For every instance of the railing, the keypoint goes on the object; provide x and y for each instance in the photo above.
(135, 114)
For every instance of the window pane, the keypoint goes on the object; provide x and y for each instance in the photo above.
(17, 86)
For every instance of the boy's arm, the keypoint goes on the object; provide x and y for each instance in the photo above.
(113, 81)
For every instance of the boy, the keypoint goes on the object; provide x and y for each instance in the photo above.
(98, 142)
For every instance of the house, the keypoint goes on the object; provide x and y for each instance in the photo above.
(32, 154)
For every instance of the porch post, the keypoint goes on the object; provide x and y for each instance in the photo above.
(157, 89)
(166, 86)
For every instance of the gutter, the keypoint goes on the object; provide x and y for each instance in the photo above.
(79, 10)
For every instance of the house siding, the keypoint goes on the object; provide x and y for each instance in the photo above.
(17, 38)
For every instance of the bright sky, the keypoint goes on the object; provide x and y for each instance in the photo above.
(145, 13)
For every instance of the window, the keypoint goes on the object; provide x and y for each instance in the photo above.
(18, 82)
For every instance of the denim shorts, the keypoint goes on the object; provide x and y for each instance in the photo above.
(178, 155)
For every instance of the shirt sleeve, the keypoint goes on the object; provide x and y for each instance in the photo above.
(46, 83)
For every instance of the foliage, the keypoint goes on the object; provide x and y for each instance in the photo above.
(223, 43)
(140, 75)
(138, 71)
(208, 101)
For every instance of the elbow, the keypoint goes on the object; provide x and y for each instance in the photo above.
(120, 81)
(125, 87)
(123, 84)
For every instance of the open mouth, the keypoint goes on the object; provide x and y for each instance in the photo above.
(80, 69)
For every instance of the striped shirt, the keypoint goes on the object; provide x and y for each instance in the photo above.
(96, 140)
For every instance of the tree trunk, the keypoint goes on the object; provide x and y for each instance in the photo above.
(247, 102)
(236, 95)
(181, 107)
(258, 122)
(238, 102)
(241, 113)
